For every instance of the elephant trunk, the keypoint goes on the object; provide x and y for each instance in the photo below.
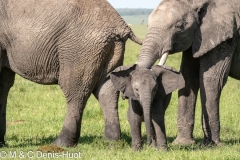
(147, 119)
(152, 49)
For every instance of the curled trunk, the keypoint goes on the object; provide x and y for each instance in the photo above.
(153, 48)
(149, 52)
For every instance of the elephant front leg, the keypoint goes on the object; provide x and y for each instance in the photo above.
(210, 96)
(6, 82)
(187, 97)
(107, 96)
(214, 72)
(158, 112)
(135, 117)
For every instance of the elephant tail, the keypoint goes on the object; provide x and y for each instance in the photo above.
(135, 39)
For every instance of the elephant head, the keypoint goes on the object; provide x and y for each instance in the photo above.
(144, 85)
(177, 25)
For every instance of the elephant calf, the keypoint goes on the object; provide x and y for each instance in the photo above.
(149, 93)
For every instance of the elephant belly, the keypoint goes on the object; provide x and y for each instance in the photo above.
(40, 67)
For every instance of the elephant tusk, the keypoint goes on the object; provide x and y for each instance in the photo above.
(163, 59)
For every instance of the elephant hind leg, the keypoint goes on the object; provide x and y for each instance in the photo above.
(6, 82)
(107, 96)
(76, 90)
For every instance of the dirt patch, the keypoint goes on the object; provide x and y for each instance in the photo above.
(50, 148)
(15, 122)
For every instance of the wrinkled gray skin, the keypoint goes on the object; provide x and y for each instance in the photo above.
(74, 44)
(148, 93)
(207, 31)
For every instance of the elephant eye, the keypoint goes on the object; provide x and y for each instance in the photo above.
(179, 25)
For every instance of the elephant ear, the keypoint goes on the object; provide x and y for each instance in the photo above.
(121, 79)
(217, 23)
(168, 79)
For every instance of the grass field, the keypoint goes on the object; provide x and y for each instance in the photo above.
(35, 114)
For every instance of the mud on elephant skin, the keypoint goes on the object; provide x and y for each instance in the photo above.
(75, 44)
(207, 33)
(148, 93)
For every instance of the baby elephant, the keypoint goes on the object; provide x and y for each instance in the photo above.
(149, 93)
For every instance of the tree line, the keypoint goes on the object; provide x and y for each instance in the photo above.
(133, 11)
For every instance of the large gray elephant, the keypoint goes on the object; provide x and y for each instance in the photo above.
(148, 93)
(207, 31)
(75, 44)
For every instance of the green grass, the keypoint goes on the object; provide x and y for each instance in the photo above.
(35, 114)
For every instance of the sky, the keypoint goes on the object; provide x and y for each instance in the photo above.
(134, 3)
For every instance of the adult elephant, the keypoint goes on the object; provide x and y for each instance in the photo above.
(75, 44)
(207, 31)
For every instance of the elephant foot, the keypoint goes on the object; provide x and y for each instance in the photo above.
(137, 148)
(183, 141)
(66, 139)
(137, 145)
(153, 144)
(160, 146)
(163, 148)
(62, 141)
(3, 144)
(112, 132)
(210, 143)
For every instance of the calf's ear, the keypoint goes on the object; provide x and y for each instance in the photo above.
(169, 79)
(121, 79)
